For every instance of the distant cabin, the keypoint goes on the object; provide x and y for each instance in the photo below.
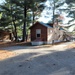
(5, 35)
(42, 33)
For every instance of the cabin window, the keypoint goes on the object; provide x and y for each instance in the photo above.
(38, 33)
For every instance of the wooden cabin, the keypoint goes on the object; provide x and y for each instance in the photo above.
(42, 33)
(5, 35)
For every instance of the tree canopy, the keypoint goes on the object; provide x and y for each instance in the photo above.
(18, 15)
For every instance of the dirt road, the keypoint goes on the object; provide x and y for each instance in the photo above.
(38, 60)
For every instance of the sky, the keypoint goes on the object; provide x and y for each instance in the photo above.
(1, 1)
(46, 15)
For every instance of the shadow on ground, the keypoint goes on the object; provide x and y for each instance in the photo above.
(17, 46)
(55, 63)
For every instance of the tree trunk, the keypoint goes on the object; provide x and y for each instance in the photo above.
(53, 11)
(13, 21)
(15, 31)
(53, 17)
(24, 26)
(33, 17)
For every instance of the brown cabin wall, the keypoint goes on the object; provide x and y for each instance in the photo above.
(43, 32)
(5, 35)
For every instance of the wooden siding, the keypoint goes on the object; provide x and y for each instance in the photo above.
(43, 32)
(4, 35)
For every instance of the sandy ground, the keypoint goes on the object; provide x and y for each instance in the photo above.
(38, 60)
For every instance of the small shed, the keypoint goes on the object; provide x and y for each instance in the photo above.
(40, 32)
(5, 35)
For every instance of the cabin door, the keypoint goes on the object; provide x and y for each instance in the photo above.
(38, 33)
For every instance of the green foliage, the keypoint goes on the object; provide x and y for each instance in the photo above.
(17, 13)
(70, 1)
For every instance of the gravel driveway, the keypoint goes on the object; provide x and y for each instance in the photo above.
(38, 60)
